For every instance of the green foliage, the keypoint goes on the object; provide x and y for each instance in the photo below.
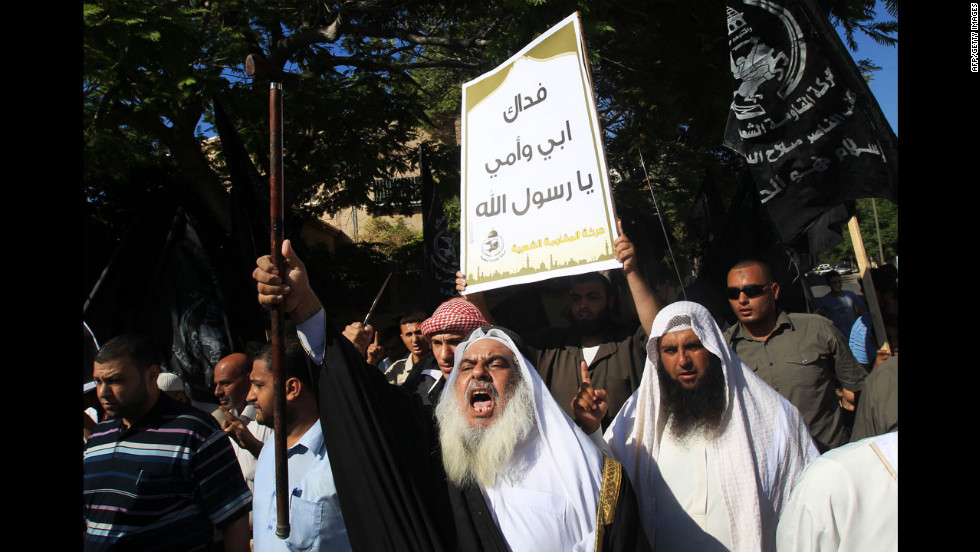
(346, 279)
(887, 217)
(369, 77)
(867, 69)
(451, 209)
(859, 15)
(390, 235)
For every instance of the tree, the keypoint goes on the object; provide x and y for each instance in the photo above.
(390, 235)
(152, 71)
(369, 75)
(887, 217)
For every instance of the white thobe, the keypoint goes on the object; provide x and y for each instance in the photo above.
(693, 494)
(533, 514)
(689, 489)
(847, 500)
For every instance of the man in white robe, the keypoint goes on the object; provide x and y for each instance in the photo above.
(711, 449)
(847, 500)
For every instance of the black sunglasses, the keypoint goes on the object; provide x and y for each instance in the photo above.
(750, 291)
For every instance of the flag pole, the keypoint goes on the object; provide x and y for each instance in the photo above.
(868, 284)
(253, 65)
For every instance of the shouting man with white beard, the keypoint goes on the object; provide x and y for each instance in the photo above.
(506, 443)
(504, 469)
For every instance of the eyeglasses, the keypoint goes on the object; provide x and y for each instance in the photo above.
(750, 291)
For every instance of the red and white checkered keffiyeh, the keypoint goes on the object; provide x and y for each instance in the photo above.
(454, 316)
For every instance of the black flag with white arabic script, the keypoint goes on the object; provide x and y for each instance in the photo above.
(802, 116)
(441, 262)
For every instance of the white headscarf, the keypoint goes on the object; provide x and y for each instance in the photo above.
(760, 429)
(559, 458)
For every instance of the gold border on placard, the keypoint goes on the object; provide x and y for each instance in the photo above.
(564, 41)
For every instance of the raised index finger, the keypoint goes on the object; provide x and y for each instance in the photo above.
(585, 373)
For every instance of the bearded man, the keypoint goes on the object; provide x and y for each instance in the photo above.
(544, 487)
(714, 451)
(508, 445)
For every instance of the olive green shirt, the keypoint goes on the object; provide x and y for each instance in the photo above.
(617, 367)
(877, 411)
(805, 359)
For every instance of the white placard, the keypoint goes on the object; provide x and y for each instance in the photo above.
(535, 196)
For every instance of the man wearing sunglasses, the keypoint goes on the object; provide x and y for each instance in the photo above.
(802, 356)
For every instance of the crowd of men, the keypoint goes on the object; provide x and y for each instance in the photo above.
(665, 434)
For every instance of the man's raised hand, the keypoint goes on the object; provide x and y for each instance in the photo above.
(359, 335)
(375, 351)
(625, 253)
(292, 290)
(589, 405)
(235, 428)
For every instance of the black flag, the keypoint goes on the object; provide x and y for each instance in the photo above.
(802, 115)
(440, 261)
(164, 281)
(250, 220)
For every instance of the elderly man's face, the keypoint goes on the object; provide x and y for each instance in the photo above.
(230, 381)
(444, 350)
(684, 357)
(485, 382)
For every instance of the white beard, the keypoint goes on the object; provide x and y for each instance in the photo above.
(478, 455)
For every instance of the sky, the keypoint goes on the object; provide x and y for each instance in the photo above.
(884, 85)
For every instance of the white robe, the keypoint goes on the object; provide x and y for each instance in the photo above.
(551, 504)
(847, 500)
(757, 456)
(689, 490)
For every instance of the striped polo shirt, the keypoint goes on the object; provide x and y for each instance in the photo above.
(162, 484)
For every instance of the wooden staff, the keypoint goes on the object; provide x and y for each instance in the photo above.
(869, 287)
(276, 328)
(276, 325)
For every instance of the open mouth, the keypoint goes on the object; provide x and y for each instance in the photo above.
(481, 400)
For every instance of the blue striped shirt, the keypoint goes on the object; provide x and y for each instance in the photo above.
(163, 484)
